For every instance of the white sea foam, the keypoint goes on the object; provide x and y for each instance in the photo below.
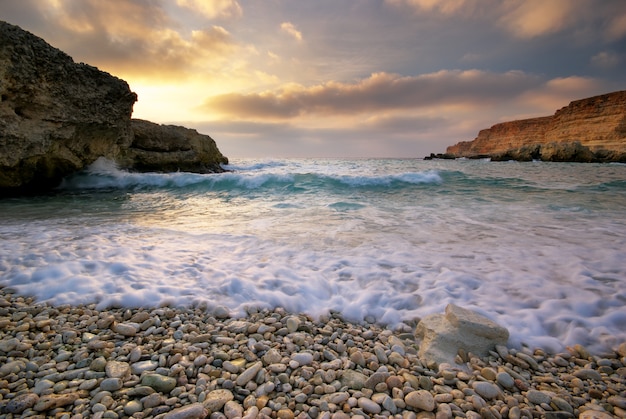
(398, 241)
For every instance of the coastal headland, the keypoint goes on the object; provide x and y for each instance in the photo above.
(587, 130)
(57, 117)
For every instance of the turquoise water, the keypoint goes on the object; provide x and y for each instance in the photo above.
(538, 247)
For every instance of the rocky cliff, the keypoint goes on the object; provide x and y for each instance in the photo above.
(57, 116)
(587, 130)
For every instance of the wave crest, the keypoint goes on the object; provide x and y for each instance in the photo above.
(104, 174)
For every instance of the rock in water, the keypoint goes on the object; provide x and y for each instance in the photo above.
(170, 148)
(444, 334)
(56, 116)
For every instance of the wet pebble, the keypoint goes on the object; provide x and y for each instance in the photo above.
(77, 362)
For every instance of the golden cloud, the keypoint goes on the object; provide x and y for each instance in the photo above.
(213, 8)
(617, 27)
(446, 7)
(531, 18)
(380, 91)
(527, 19)
(137, 39)
(558, 92)
(290, 29)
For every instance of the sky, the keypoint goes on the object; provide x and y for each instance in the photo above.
(341, 78)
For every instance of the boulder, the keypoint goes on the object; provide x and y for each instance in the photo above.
(170, 148)
(563, 152)
(443, 335)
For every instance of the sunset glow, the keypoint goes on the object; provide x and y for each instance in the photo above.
(392, 78)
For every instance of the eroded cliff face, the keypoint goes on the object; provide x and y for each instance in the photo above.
(57, 117)
(591, 129)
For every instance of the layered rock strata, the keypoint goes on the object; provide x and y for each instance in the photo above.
(57, 117)
(587, 130)
(170, 148)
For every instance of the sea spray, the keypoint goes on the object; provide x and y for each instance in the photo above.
(537, 247)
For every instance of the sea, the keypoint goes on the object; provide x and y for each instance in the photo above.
(539, 248)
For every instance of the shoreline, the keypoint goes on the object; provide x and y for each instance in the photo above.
(77, 362)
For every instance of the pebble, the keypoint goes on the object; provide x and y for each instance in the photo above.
(486, 389)
(233, 409)
(116, 369)
(595, 414)
(159, 382)
(488, 373)
(190, 411)
(302, 358)
(111, 384)
(74, 362)
(52, 401)
(353, 379)
(126, 329)
(369, 406)
(618, 401)
(22, 402)
(588, 374)
(251, 372)
(538, 397)
(420, 399)
(505, 380)
(293, 323)
(140, 367)
(133, 407)
(216, 399)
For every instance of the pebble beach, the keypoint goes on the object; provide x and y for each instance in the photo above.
(79, 362)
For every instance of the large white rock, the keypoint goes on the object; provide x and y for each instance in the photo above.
(442, 335)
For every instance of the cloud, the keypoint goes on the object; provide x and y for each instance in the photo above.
(527, 19)
(132, 38)
(555, 93)
(213, 9)
(606, 60)
(378, 92)
(290, 29)
(532, 18)
(616, 29)
(446, 7)
(378, 137)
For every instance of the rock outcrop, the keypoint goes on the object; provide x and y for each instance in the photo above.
(587, 130)
(443, 335)
(57, 117)
(170, 148)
